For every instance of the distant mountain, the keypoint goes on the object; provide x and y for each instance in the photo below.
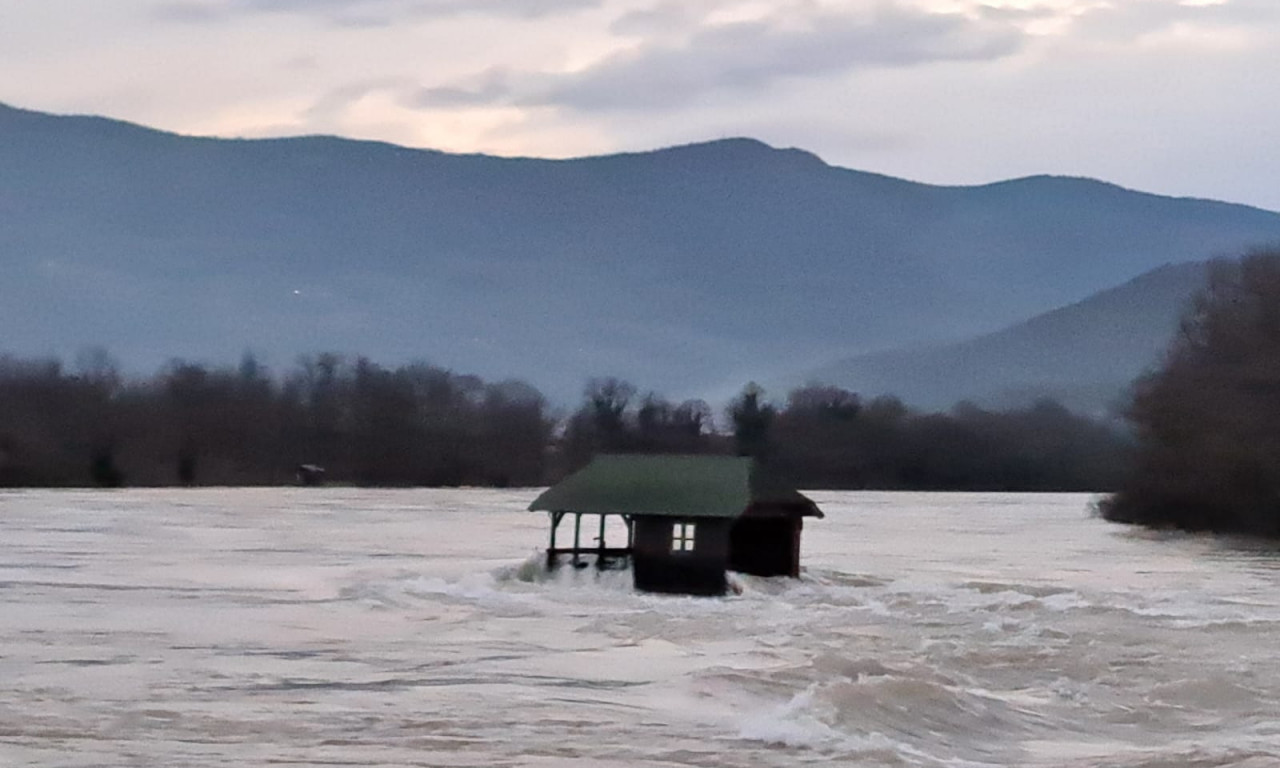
(1084, 355)
(690, 269)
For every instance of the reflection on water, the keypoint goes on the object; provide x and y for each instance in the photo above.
(349, 627)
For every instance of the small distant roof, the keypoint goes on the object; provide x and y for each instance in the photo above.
(674, 486)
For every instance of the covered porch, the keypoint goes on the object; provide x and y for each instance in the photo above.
(606, 546)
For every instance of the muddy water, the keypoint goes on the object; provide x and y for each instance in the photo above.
(416, 628)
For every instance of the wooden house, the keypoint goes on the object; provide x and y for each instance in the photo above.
(689, 519)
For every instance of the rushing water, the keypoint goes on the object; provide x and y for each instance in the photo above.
(416, 628)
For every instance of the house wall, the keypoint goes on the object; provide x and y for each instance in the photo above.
(765, 546)
(700, 572)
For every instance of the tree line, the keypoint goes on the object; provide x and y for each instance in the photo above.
(421, 425)
(1202, 451)
(827, 437)
(193, 425)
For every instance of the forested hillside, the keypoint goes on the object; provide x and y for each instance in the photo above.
(693, 268)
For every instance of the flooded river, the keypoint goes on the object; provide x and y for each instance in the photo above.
(341, 627)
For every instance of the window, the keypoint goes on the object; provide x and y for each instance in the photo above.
(682, 535)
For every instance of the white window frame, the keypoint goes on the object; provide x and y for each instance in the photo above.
(684, 537)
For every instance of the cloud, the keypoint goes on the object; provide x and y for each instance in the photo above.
(665, 17)
(361, 12)
(487, 88)
(742, 56)
(187, 12)
(671, 54)
(330, 108)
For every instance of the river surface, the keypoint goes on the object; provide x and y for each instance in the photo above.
(340, 627)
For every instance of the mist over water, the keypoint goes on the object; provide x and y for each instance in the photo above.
(237, 627)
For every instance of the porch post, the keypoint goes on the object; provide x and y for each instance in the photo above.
(600, 563)
(796, 528)
(551, 550)
(577, 536)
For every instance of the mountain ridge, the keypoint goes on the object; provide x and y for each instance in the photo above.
(1084, 354)
(724, 141)
(688, 269)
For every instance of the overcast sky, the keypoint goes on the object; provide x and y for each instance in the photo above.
(1172, 96)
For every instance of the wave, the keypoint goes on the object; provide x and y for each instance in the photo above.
(897, 716)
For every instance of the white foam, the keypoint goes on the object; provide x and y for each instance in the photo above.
(801, 723)
(792, 724)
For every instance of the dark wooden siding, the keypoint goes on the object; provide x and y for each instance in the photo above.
(765, 546)
(700, 572)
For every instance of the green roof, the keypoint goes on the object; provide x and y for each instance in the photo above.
(675, 486)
